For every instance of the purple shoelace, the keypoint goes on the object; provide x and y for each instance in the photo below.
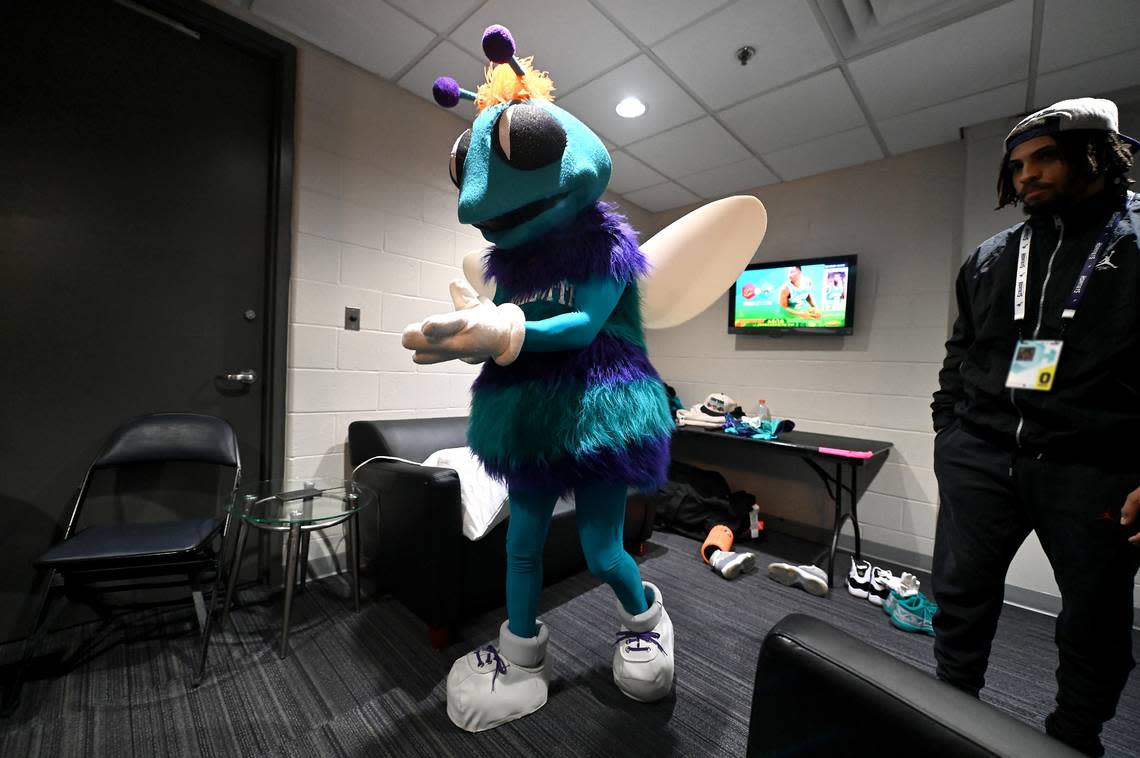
(628, 636)
(492, 657)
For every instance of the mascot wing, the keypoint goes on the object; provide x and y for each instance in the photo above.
(696, 259)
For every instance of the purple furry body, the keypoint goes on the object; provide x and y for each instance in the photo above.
(597, 243)
(543, 438)
(643, 466)
(606, 360)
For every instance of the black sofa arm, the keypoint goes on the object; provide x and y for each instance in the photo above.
(640, 513)
(413, 439)
(821, 691)
(417, 524)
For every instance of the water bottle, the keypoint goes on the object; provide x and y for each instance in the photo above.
(764, 414)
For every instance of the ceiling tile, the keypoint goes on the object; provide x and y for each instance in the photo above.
(666, 104)
(662, 197)
(1077, 31)
(800, 112)
(374, 36)
(568, 38)
(652, 22)
(786, 36)
(439, 15)
(630, 174)
(445, 60)
(827, 154)
(941, 123)
(690, 148)
(982, 52)
(726, 180)
(1095, 78)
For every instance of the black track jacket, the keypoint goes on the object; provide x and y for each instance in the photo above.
(1093, 411)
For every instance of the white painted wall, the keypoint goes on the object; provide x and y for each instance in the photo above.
(902, 218)
(374, 228)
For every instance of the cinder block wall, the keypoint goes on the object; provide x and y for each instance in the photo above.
(902, 217)
(375, 229)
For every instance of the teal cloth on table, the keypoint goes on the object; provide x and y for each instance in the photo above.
(768, 429)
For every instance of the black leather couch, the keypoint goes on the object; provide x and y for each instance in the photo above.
(413, 544)
(820, 691)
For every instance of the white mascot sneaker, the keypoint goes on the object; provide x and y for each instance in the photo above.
(643, 661)
(489, 687)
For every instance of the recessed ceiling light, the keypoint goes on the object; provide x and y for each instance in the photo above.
(631, 107)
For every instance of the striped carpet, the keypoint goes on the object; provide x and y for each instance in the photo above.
(368, 683)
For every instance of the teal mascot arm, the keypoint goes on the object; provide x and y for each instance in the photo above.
(594, 300)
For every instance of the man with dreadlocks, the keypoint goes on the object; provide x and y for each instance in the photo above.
(1037, 413)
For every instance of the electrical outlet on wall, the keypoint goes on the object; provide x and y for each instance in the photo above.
(352, 319)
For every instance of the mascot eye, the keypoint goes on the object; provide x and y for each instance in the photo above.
(458, 155)
(528, 137)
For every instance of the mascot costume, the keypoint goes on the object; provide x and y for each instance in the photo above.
(567, 400)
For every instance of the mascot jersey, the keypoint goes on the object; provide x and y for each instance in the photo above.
(563, 415)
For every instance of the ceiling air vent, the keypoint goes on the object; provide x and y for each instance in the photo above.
(862, 26)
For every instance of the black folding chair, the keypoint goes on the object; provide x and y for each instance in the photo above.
(111, 557)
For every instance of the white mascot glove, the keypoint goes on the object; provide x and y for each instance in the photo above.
(477, 330)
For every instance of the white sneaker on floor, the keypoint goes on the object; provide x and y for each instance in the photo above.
(859, 579)
(881, 582)
(490, 686)
(643, 660)
(730, 564)
(906, 585)
(884, 582)
(811, 579)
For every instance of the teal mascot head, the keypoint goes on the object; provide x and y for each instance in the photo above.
(525, 166)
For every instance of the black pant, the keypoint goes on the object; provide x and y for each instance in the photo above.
(991, 499)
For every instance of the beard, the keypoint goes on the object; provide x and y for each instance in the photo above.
(1062, 198)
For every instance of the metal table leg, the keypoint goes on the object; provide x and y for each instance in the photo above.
(265, 542)
(292, 550)
(352, 547)
(841, 518)
(303, 563)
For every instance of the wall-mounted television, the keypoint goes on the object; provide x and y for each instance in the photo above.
(799, 296)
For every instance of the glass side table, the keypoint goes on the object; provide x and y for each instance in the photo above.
(297, 508)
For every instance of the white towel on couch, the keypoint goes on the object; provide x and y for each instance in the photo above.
(484, 499)
(485, 503)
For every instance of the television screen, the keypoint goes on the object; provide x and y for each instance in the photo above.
(805, 296)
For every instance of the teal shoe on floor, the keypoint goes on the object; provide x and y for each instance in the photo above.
(914, 613)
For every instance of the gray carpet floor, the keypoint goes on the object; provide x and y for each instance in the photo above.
(368, 683)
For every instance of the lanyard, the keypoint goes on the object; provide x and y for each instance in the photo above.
(1074, 299)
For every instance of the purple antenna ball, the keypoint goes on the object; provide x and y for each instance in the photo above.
(446, 91)
(498, 44)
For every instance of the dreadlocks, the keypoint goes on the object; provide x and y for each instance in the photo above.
(1090, 153)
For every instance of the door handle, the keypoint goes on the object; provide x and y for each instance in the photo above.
(245, 376)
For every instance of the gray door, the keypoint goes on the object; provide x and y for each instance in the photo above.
(139, 247)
